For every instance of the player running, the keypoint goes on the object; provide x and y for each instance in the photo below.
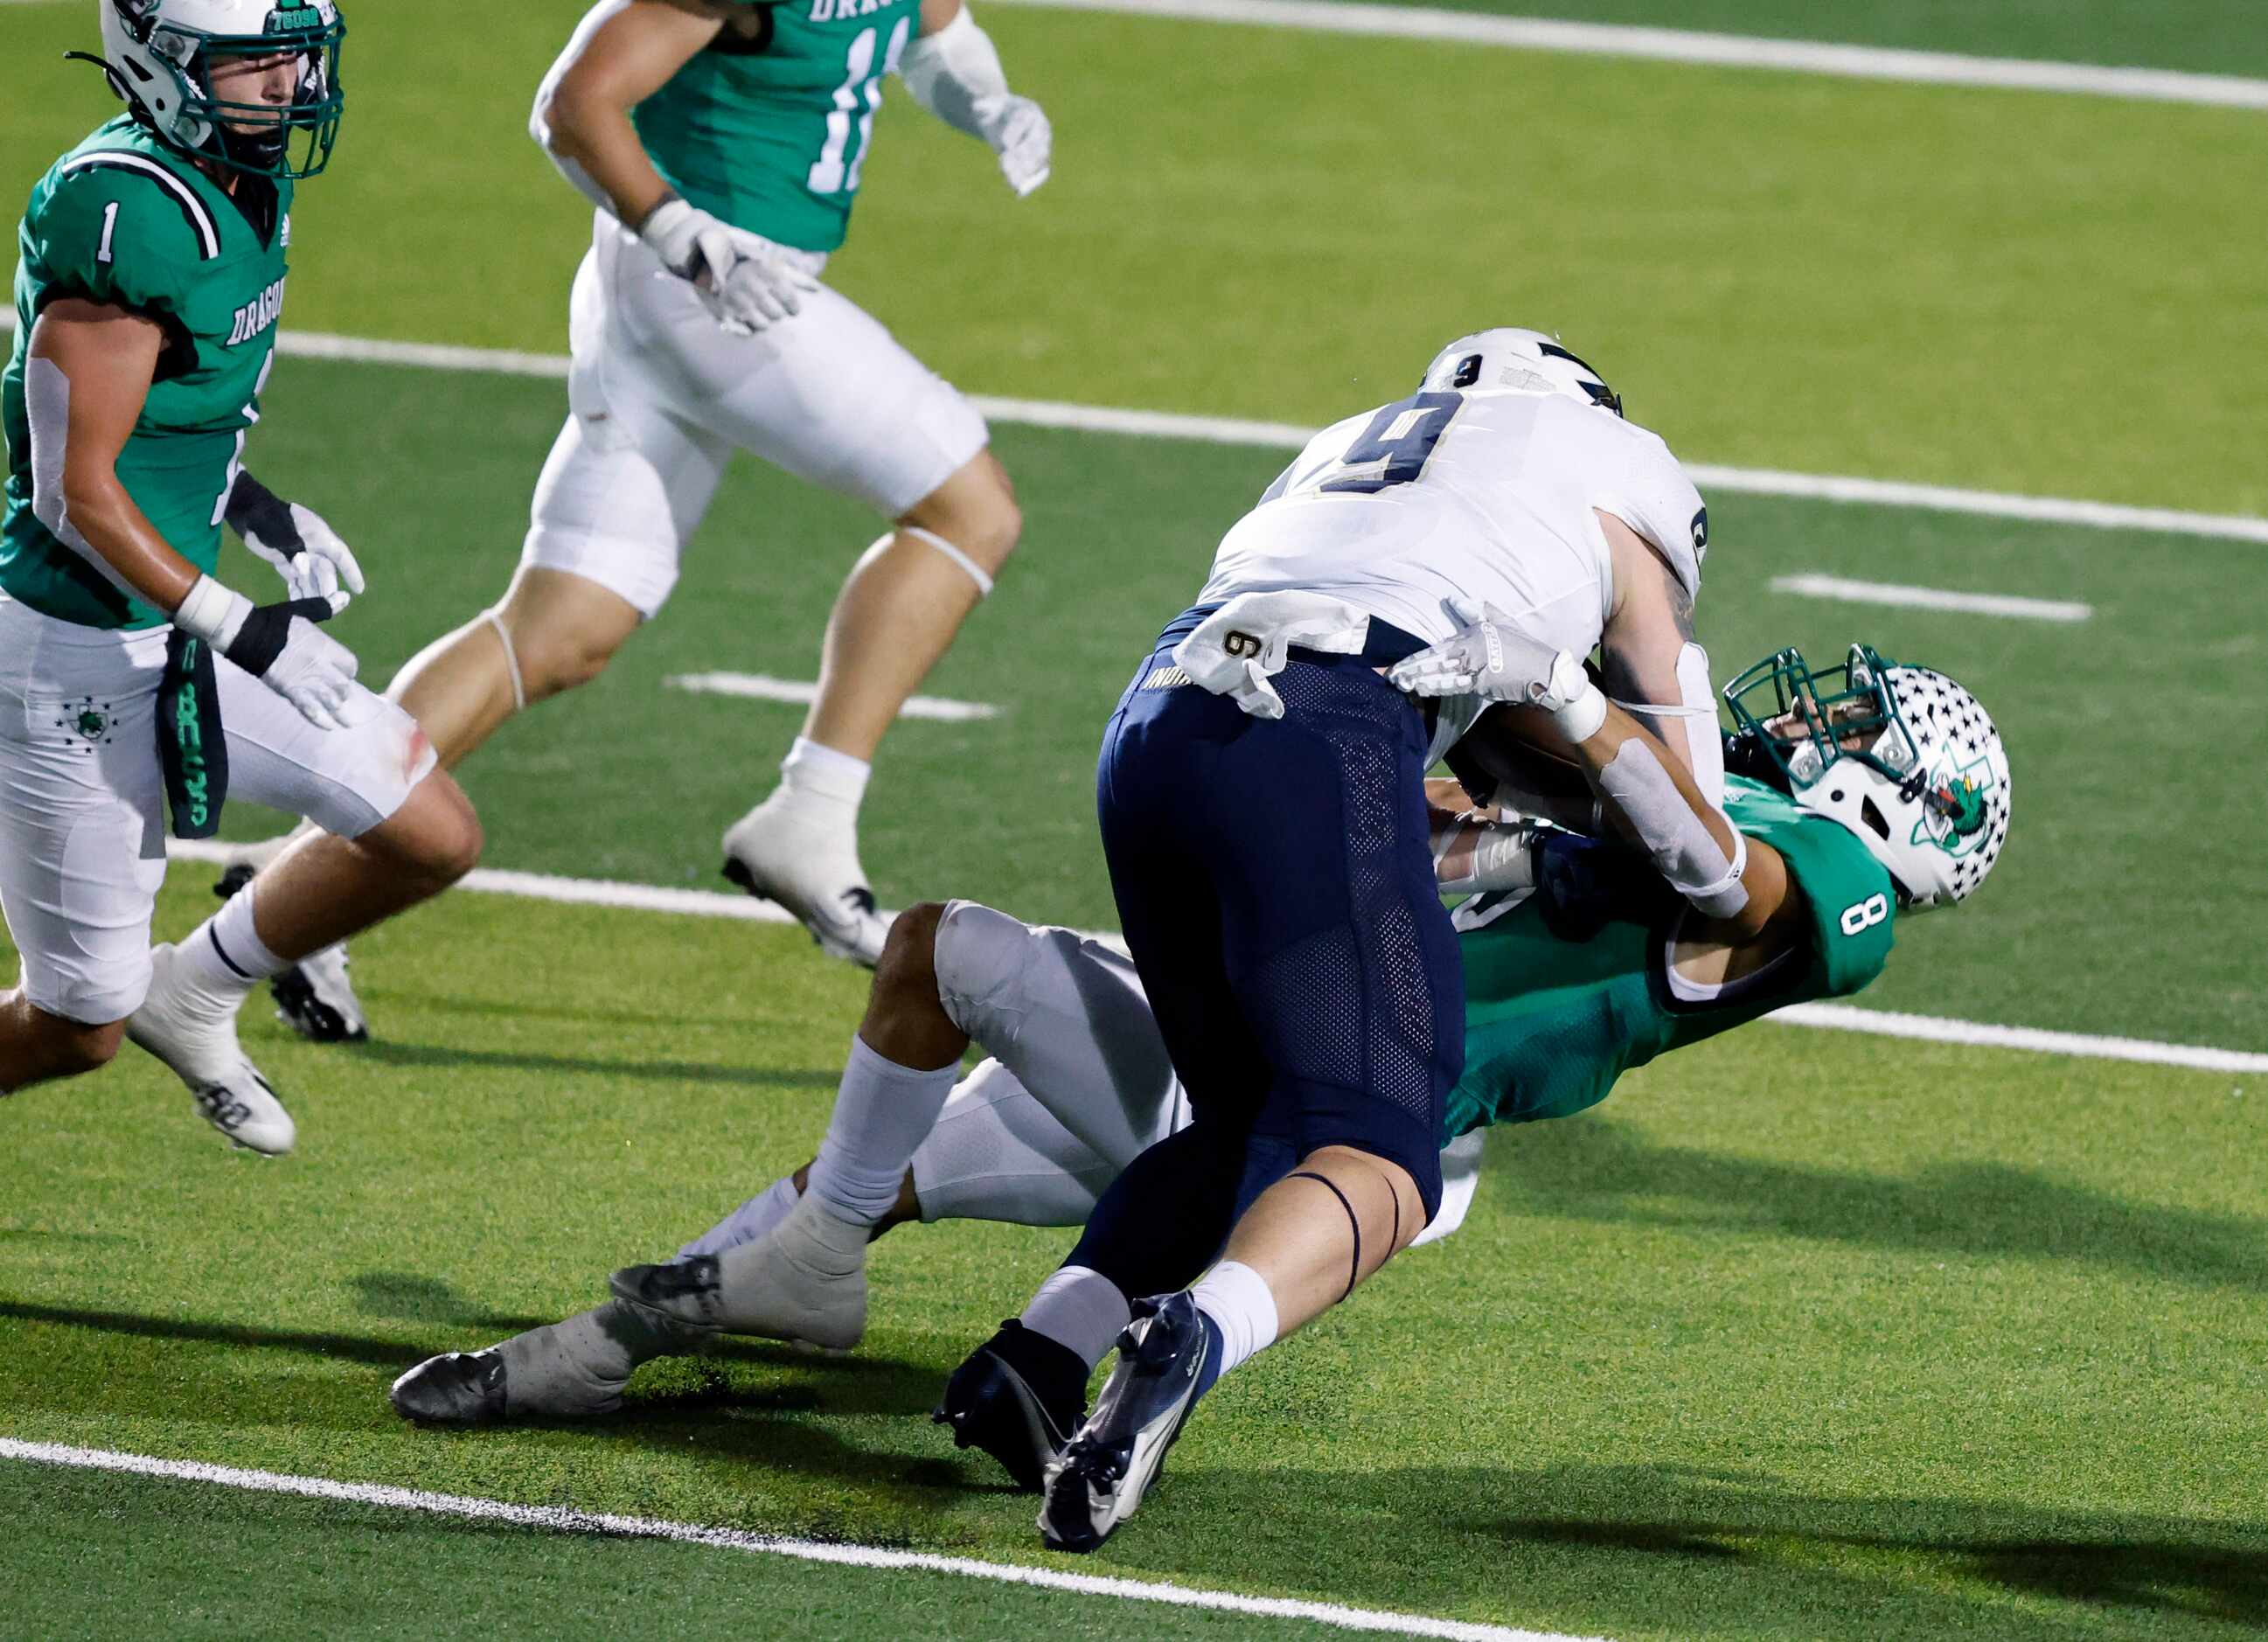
(131, 677)
(1872, 790)
(722, 143)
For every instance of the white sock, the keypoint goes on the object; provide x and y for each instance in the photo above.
(224, 958)
(883, 1112)
(1241, 1306)
(1079, 1308)
(748, 1222)
(811, 773)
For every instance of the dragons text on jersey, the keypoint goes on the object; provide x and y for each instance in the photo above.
(256, 316)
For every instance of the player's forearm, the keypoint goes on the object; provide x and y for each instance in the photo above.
(596, 148)
(119, 538)
(1652, 795)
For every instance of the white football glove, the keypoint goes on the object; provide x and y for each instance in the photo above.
(1496, 658)
(305, 551)
(1018, 129)
(281, 645)
(746, 281)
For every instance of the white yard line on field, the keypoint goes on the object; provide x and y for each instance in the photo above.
(709, 903)
(559, 1519)
(1165, 425)
(1843, 589)
(1932, 1029)
(1675, 45)
(763, 687)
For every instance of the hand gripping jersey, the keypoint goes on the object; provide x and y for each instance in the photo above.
(769, 130)
(1554, 1014)
(1485, 495)
(122, 219)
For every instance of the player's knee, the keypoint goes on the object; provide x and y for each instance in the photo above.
(979, 958)
(908, 967)
(435, 836)
(552, 660)
(976, 512)
(1391, 1199)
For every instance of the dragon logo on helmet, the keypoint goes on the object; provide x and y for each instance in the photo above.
(1954, 810)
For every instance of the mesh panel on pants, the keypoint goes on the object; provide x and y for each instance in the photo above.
(1382, 1042)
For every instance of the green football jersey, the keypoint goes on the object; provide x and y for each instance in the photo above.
(1551, 1022)
(122, 219)
(768, 132)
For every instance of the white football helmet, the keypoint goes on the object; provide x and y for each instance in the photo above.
(1904, 758)
(158, 55)
(1526, 362)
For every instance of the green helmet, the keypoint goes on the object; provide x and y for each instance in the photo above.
(159, 56)
(1906, 758)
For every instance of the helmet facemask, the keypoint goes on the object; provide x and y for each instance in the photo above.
(161, 61)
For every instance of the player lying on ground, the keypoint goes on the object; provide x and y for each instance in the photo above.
(1081, 1083)
(147, 299)
(1889, 791)
(721, 142)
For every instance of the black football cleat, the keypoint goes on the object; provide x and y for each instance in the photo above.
(455, 1388)
(1111, 1462)
(314, 996)
(1019, 1396)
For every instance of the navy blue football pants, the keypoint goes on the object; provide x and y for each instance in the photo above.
(1275, 883)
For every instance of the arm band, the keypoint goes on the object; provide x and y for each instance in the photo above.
(1684, 849)
(956, 74)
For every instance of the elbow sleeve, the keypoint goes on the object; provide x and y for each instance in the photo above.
(46, 411)
(1682, 848)
(956, 75)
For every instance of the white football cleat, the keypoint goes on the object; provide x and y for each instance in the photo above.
(807, 863)
(803, 1281)
(185, 1033)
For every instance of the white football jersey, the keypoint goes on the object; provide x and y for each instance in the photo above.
(1480, 495)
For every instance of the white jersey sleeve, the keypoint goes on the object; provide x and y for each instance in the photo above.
(1630, 473)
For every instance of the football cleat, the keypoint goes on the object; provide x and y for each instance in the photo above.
(811, 869)
(454, 1388)
(1018, 1397)
(574, 1369)
(805, 1281)
(202, 1049)
(316, 999)
(314, 996)
(1112, 1460)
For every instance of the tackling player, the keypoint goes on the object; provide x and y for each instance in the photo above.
(1601, 969)
(722, 143)
(131, 677)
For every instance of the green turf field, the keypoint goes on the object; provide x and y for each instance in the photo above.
(2203, 36)
(1792, 1334)
(1802, 1334)
(2021, 291)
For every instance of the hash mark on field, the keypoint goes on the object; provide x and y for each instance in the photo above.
(1815, 585)
(1676, 44)
(763, 687)
(1168, 424)
(560, 1519)
(707, 903)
